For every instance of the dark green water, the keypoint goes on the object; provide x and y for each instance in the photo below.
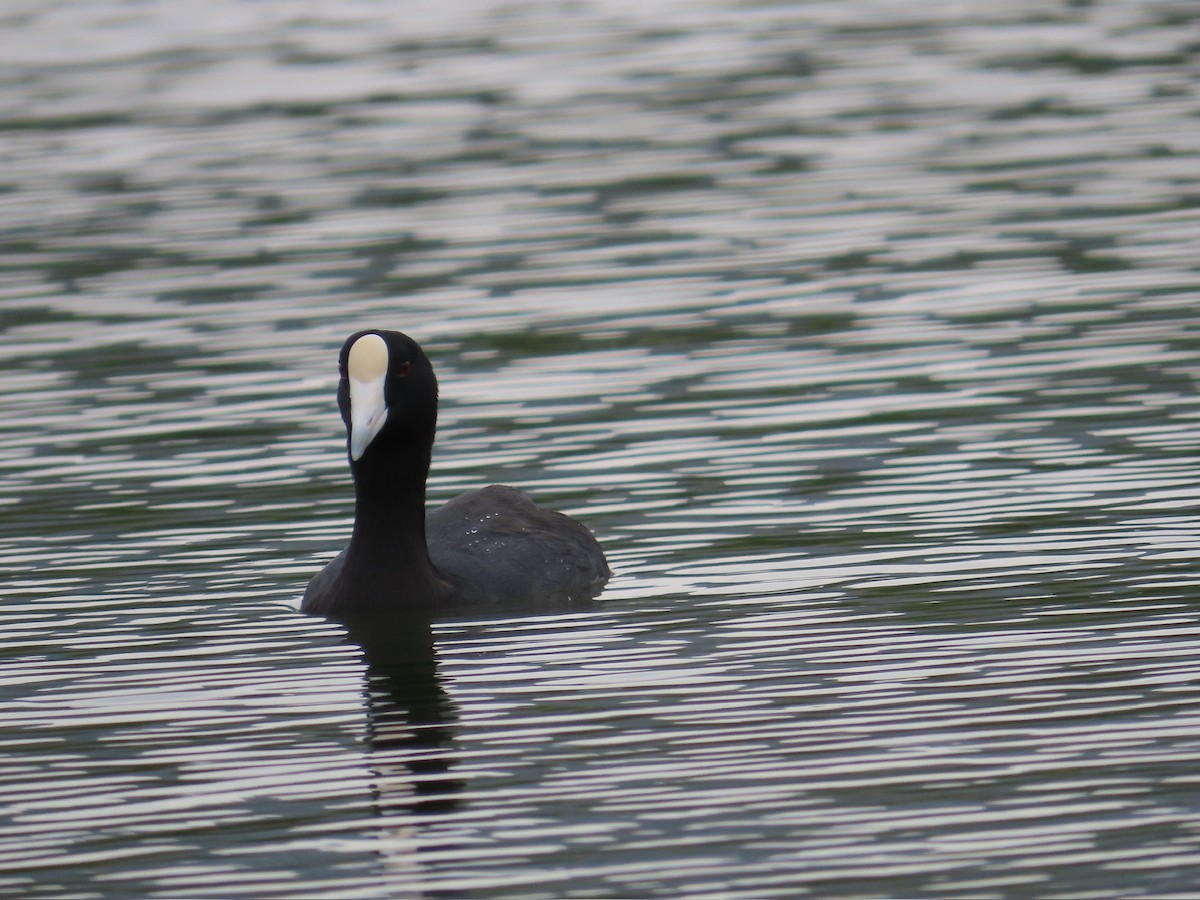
(864, 335)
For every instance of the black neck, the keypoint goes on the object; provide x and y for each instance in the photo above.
(389, 528)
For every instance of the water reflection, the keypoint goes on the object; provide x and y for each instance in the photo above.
(410, 718)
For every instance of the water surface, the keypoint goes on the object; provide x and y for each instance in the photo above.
(862, 335)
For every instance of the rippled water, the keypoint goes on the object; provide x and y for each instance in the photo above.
(863, 335)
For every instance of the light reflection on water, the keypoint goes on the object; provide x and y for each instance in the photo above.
(862, 337)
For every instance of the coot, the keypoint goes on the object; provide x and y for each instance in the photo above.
(488, 546)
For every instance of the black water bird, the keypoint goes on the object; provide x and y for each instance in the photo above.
(491, 546)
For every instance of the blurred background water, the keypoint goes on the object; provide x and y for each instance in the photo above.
(863, 334)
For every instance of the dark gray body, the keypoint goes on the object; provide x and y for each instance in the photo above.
(493, 546)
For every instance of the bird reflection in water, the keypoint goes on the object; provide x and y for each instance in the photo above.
(410, 717)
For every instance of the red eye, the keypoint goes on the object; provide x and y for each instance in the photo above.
(404, 369)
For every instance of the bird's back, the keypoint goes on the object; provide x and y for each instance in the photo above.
(495, 545)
